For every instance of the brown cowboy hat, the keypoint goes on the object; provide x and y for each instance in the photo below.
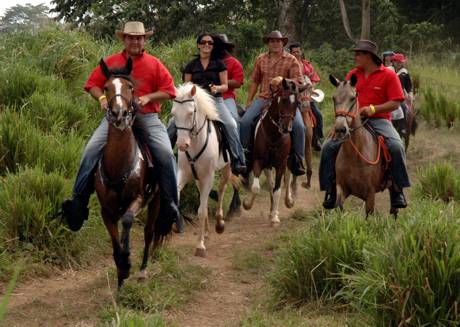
(368, 46)
(133, 28)
(275, 35)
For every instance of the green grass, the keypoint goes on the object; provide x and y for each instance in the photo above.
(439, 181)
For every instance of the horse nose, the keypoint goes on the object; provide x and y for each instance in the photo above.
(182, 146)
(341, 130)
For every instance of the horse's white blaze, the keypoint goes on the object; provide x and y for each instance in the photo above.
(256, 185)
(292, 98)
(118, 85)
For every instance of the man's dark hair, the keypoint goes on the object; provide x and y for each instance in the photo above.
(294, 45)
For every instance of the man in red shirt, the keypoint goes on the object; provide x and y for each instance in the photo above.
(379, 93)
(311, 77)
(234, 71)
(153, 84)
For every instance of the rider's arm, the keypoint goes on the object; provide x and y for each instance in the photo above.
(388, 106)
(223, 87)
(234, 84)
(98, 94)
(252, 93)
(157, 96)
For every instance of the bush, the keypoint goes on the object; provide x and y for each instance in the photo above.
(440, 181)
(311, 265)
(412, 278)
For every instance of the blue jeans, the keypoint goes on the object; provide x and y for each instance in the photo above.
(231, 130)
(158, 143)
(231, 106)
(253, 113)
(319, 118)
(395, 147)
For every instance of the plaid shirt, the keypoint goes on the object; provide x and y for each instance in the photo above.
(266, 68)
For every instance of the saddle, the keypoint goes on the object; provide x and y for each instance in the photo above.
(224, 146)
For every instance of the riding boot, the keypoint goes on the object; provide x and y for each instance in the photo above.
(397, 199)
(169, 211)
(330, 198)
(316, 141)
(75, 211)
(295, 164)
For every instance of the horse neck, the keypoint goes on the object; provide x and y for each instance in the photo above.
(360, 136)
(119, 152)
(199, 140)
(271, 130)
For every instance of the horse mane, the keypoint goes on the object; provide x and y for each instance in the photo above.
(204, 101)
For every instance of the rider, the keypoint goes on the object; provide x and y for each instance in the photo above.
(275, 62)
(379, 93)
(387, 58)
(235, 72)
(309, 72)
(154, 84)
(210, 73)
(398, 61)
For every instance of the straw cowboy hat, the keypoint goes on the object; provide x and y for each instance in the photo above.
(368, 46)
(275, 35)
(133, 28)
(317, 95)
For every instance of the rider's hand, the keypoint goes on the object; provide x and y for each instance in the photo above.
(214, 88)
(143, 100)
(104, 104)
(366, 111)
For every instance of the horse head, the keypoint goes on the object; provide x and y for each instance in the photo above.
(119, 90)
(191, 108)
(345, 105)
(285, 94)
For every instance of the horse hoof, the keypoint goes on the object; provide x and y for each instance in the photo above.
(246, 205)
(275, 224)
(289, 204)
(200, 252)
(220, 227)
(306, 185)
(142, 276)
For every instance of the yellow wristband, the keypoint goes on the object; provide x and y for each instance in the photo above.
(372, 108)
(102, 97)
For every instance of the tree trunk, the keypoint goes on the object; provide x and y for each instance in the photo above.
(345, 21)
(286, 19)
(366, 20)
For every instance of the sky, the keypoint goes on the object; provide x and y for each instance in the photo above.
(5, 4)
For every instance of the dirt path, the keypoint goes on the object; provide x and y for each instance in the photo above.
(74, 298)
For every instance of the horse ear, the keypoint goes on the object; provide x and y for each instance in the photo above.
(285, 84)
(334, 80)
(193, 91)
(353, 80)
(129, 66)
(105, 69)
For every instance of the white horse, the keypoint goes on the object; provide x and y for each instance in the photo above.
(199, 155)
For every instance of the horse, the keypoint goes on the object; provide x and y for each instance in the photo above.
(200, 154)
(272, 144)
(360, 164)
(406, 126)
(122, 176)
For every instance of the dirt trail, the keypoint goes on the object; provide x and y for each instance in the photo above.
(74, 298)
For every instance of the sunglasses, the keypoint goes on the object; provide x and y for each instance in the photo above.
(207, 42)
(360, 53)
(275, 40)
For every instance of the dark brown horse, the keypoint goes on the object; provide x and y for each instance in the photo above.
(272, 144)
(406, 126)
(122, 177)
(307, 117)
(361, 158)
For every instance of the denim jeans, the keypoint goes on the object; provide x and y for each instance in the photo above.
(231, 106)
(395, 147)
(319, 118)
(158, 143)
(253, 113)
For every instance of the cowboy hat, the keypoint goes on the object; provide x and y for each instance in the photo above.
(368, 46)
(275, 35)
(317, 95)
(223, 38)
(133, 28)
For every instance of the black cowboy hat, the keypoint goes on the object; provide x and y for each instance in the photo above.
(275, 35)
(368, 46)
(223, 38)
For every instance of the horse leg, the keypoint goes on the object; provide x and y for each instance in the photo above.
(370, 203)
(183, 178)
(127, 222)
(276, 198)
(308, 156)
(235, 205)
(112, 228)
(269, 176)
(288, 201)
(152, 215)
(204, 186)
(294, 187)
(340, 197)
(255, 189)
(220, 223)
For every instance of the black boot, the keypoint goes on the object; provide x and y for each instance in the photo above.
(169, 213)
(75, 211)
(398, 200)
(296, 165)
(316, 141)
(330, 198)
(237, 167)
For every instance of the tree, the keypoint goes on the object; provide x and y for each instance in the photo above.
(28, 17)
(365, 20)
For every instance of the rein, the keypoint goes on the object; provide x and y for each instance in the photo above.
(194, 133)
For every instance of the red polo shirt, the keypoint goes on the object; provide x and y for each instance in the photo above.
(149, 76)
(380, 86)
(235, 72)
(310, 71)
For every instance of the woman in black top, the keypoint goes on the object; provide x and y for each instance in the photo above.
(210, 73)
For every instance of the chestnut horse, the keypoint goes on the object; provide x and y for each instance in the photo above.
(362, 156)
(272, 144)
(122, 177)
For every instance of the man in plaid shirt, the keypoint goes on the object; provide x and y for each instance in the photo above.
(275, 62)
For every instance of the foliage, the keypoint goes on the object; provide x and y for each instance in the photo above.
(28, 17)
(439, 181)
(9, 291)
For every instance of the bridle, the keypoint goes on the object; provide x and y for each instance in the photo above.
(131, 110)
(193, 131)
(351, 112)
(281, 115)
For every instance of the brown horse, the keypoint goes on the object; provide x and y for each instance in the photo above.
(122, 177)
(406, 126)
(362, 156)
(272, 144)
(307, 117)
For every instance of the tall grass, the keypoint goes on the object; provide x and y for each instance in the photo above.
(439, 181)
